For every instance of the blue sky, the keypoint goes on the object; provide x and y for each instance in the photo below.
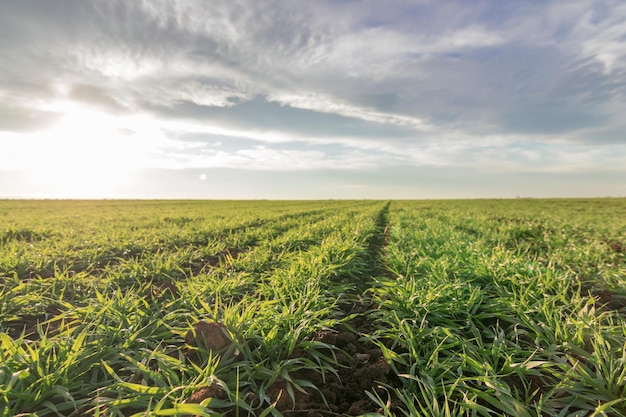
(312, 99)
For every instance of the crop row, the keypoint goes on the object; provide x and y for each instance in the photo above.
(505, 308)
(109, 328)
(132, 308)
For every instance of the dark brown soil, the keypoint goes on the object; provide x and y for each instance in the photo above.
(617, 247)
(361, 368)
(606, 299)
(211, 336)
(610, 300)
(204, 266)
(164, 289)
(212, 391)
(35, 325)
(360, 364)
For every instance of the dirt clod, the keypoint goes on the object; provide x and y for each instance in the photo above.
(212, 391)
(345, 338)
(617, 247)
(211, 336)
(327, 336)
(362, 357)
(162, 289)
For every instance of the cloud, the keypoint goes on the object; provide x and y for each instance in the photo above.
(464, 66)
(95, 96)
(270, 121)
(248, 155)
(19, 119)
(327, 104)
(603, 30)
(520, 86)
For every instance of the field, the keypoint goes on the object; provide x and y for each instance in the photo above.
(317, 308)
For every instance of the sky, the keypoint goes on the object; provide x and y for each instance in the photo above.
(240, 99)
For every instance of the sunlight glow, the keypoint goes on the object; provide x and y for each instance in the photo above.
(86, 155)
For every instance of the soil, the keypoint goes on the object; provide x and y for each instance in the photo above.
(361, 368)
(209, 335)
(617, 247)
(610, 300)
(35, 325)
(607, 300)
(164, 289)
(204, 266)
(212, 391)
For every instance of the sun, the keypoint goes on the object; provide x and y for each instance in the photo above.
(86, 155)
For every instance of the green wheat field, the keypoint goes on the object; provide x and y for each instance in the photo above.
(313, 308)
